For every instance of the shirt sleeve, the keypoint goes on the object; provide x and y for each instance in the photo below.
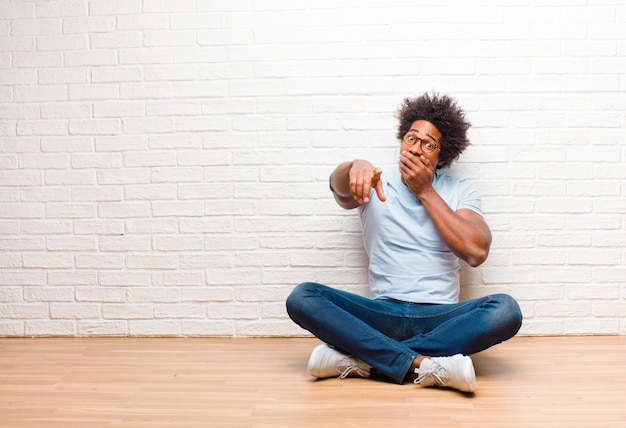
(469, 197)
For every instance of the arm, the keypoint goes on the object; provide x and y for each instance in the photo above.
(466, 232)
(351, 183)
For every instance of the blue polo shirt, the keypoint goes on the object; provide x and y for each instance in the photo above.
(408, 259)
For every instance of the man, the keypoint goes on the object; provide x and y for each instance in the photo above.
(417, 222)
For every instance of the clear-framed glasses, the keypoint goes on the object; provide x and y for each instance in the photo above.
(427, 146)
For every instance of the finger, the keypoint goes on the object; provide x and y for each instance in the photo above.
(405, 162)
(357, 191)
(408, 158)
(375, 182)
(355, 184)
(379, 192)
(367, 186)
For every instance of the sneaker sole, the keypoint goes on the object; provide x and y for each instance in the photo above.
(469, 374)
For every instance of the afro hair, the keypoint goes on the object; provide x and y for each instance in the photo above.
(443, 112)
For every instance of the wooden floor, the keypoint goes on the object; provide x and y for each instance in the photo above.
(166, 382)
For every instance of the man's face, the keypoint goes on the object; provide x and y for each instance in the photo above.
(423, 138)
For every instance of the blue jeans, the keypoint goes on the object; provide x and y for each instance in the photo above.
(389, 334)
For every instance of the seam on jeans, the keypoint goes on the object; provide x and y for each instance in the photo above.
(362, 306)
(449, 308)
(453, 322)
(404, 350)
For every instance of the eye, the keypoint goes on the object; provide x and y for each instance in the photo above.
(410, 138)
(429, 146)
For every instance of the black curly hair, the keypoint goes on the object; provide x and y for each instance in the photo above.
(443, 112)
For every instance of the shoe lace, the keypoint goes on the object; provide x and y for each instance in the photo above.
(347, 366)
(436, 374)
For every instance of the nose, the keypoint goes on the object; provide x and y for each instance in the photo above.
(416, 148)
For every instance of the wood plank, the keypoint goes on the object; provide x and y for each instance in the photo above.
(223, 382)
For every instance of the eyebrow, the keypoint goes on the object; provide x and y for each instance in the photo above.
(427, 134)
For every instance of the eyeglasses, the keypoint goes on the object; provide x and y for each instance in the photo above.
(427, 146)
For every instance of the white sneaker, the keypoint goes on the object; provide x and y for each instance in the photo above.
(455, 372)
(328, 362)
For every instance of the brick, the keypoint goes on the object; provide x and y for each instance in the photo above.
(102, 328)
(177, 279)
(47, 261)
(127, 311)
(89, 24)
(38, 59)
(72, 278)
(178, 311)
(62, 43)
(115, 74)
(177, 208)
(123, 209)
(154, 262)
(95, 127)
(11, 294)
(207, 294)
(79, 243)
(591, 326)
(144, 21)
(99, 161)
(23, 311)
(47, 161)
(54, 76)
(100, 294)
(99, 91)
(147, 125)
(18, 78)
(65, 110)
(232, 277)
(50, 328)
(98, 227)
(204, 328)
(17, 10)
(61, 210)
(155, 328)
(18, 44)
(233, 310)
(152, 226)
(124, 243)
(262, 328)
(179, 243)
(90, 58)
(66, 144)
(265, 294)
(74, 310)
(11, 328)
(47, 127)
(208, 261)
(116, 40)
(153, 295)
(123, 176)
(124, 279)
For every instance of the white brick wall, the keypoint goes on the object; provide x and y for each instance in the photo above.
(164, 163)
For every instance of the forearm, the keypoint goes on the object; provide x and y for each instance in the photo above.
(465, 232)
(339, 182)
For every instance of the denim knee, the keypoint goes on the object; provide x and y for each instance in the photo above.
(295, 302)
(508, 312)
